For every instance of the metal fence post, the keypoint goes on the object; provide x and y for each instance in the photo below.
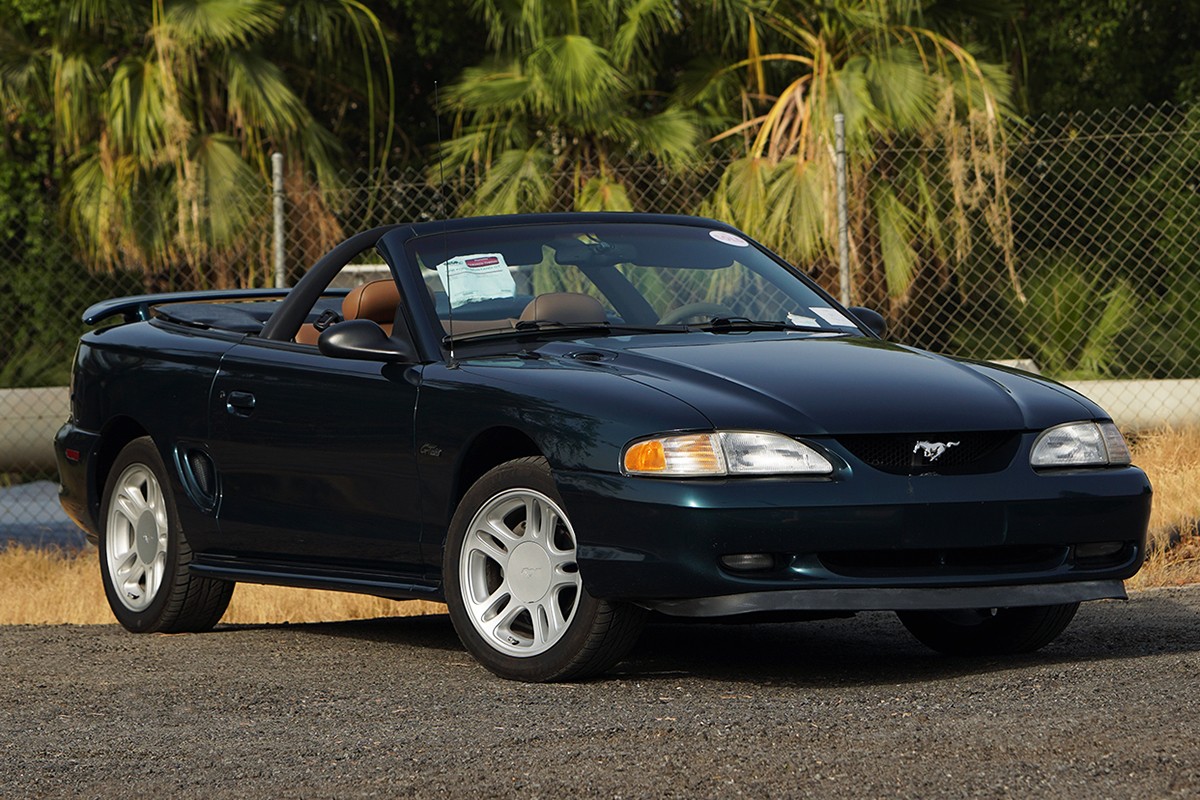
(277, 213)
(839, 127)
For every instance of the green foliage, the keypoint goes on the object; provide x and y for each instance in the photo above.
(167, 112)
(1084, 55)
(44, 288)
(1075, 317)
(570, 89)
(1164, 342)
(925, 142)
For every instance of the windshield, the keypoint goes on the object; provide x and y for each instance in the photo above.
(650, 276)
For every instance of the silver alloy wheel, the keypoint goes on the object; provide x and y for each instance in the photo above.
(136, 537)
(520, 582)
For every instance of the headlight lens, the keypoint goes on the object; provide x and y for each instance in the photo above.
(1080, 444)
(723, 453)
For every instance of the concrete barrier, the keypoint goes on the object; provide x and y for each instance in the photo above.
(1141, 405)
(29, 418)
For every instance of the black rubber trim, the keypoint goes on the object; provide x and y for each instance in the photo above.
(893, 599)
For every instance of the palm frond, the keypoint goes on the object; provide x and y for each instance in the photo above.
(645, 22)
(79, 18)
(137, 111)
(579, 77)
(603, 193)
(799, 210)
(232, 195)
(902, 92)
(22, 67)
(670, 136)
(492, 89)
(741, 196)
(76, 90)
(519, 181)
(200, 24)
(259, 95)
(897, 231)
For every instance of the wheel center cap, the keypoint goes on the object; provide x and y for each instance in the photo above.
(529, 572)
(146, 533)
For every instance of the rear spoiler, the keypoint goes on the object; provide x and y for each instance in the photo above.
(137, 308)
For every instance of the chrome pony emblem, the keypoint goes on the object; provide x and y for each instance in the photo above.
(932, 451)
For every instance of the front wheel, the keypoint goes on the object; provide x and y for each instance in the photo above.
(144, 556)
(989, 631)
(513, 586)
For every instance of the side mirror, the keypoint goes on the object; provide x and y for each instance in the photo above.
(364, 340)
(872, 319)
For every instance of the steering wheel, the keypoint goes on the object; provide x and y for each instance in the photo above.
(696, 310)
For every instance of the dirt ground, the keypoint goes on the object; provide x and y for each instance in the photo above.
(394, 707)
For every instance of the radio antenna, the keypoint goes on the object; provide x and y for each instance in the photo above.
(437, 118)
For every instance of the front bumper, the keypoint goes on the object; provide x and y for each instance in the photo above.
(866, 541)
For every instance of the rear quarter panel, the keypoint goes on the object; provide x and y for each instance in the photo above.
(158, 377)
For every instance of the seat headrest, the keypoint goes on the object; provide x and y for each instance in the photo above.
(565, 307)
(376, 301)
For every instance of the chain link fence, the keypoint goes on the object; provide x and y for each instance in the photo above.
(1091, 277)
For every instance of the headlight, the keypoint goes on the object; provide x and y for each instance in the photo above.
(1080, 444)
(723, 453)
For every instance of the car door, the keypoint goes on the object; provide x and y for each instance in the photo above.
(315, 458)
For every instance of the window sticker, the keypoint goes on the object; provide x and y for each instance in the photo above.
(834, 317)
(801, 321)
(482, 276)
(729, 238)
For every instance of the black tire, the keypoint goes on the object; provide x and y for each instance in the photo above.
(139, 536)
(989, 631)
(592, 634)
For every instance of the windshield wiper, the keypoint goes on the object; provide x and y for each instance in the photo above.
(743, 324)
(533, 327)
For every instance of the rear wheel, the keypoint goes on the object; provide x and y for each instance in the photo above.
(144, 555)
(513, 585)
(989, 631)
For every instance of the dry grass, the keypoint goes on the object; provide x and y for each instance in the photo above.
(54, 587)
(1172, 460)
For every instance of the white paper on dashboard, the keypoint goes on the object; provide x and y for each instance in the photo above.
(482, 276)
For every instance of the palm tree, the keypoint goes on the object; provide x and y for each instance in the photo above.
(564, 106)
(925, 140)
(167, 113)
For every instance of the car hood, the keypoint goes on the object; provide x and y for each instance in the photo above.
(815, 385)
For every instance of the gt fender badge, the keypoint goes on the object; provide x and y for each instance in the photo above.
(932, 451)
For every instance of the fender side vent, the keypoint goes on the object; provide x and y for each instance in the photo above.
(200, 474)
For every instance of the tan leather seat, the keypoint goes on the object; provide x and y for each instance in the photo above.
(376, 301)
(564, 307)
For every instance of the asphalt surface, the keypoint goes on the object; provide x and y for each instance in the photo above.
(395, 708)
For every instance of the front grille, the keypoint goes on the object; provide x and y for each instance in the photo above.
(955, 561)
(950, 453)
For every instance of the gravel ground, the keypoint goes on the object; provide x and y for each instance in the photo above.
(845, 708)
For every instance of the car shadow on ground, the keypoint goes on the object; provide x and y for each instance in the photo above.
(869, 649)
(432, 631)
(874, 647)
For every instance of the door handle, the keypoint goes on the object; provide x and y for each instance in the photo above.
(240, 403)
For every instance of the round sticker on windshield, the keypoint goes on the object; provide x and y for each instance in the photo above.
(729, 238)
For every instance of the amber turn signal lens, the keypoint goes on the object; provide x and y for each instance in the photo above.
(646, 457)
